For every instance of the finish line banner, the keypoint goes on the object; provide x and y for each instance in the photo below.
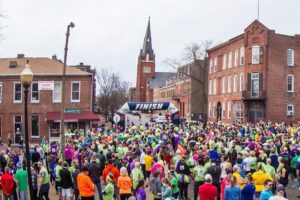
(147, 106)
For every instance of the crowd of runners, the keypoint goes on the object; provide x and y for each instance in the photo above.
(158, 161)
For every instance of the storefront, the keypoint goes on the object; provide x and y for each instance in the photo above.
(75, 120)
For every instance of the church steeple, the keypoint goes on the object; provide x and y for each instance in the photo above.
(147, 46)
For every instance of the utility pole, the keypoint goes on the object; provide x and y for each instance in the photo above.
(62, 111)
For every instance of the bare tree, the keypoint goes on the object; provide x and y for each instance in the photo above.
(112, 93)
(197, 55)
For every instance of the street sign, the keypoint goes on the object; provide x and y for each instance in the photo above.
(72, 111)
(46, 85)
(116, 118)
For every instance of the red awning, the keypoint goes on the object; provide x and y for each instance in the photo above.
(73, 117)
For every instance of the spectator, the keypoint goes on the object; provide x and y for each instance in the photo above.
(43, 182)
(85, 185)
(266, 193)
(66, 182)
(7, 182)
(208, 191)
(21, 180)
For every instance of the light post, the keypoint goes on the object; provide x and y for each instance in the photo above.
(62, 111)
(26, 79)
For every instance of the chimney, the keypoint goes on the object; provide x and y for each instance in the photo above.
(13, 64)
(20, 55)
(54, 57)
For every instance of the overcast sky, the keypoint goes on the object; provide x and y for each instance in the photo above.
(110, 33)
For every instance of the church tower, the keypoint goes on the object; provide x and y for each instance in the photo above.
(145, 66)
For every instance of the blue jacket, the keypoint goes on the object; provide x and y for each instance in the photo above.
(248, 192)
(232, 193)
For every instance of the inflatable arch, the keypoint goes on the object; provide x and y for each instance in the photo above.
(148, 106)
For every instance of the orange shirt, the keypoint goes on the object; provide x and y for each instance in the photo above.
(85, 185)
(110, 169)
(124, 184)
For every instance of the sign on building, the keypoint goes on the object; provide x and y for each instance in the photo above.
(46, 85)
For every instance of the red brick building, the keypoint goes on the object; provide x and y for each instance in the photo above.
(147, 78)
(185, 91)
(44, 105)
(254, 77)
(145, 67)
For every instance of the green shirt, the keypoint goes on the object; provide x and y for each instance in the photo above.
(108, 192)
(269, 170)
(136, 175)
(57, 169)
(44, 174)
(21, 177)
(174, 184)
(199, 172)
(295, 161)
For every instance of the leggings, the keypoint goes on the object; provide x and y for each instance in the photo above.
(125, 196)
(183, 190)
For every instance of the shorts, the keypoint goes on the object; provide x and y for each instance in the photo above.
(66, 192)
(257, 194)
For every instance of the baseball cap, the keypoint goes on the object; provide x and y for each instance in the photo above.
(280, 188)
(208, 178)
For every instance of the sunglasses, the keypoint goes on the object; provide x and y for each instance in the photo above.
(270, 185)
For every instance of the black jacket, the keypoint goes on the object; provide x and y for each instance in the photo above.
(66, 179)
(95, 172)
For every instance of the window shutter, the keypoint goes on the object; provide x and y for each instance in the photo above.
(249, 82)
(260, 81)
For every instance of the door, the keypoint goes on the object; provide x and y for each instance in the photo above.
(219, 111)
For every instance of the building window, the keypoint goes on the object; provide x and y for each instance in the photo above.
(224, 61)
(147, 69)
(209, 110)
(34, 126)
(242, 56)
(75, 92)
(228, 110)
(254, 84)
(224, 85)
(255, 54)
(214, 109)
(210, 87)
(290, 57)
(57, 92)
(290, 110)
(241, 82)
(238, 111)
(223, 110)
(236, 58)
(230, 60)
(0, 92)
(211, 66)
(229, 84)
(215, 64)
(235, 83)
(17, 92)
(34, 93)
(215, 86)
(290, 83)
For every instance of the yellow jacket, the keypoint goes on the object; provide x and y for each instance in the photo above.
(259, 179)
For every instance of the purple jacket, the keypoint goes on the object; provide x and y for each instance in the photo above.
(141, 194)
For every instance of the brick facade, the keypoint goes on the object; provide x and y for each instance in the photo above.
(255, 85)
(9, 109)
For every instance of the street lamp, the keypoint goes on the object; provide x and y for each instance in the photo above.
(62, 111)
(26, 79)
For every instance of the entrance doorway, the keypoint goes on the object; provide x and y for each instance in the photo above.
(219, 111)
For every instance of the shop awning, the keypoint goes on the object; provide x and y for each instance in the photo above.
(73, 117)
